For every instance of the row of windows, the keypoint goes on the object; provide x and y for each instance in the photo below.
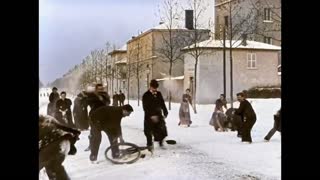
(267, 16)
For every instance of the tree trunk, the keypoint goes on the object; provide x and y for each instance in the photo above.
(117, 79)
(231, 61)
(224, 62)
(112, 76)
(195, 87)
(128, 83)
(138, 81)
(107, 74)
(170, 84)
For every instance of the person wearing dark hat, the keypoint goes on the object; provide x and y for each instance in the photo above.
(155, 111)
(107, 119)
(248, 116)
(53, 98)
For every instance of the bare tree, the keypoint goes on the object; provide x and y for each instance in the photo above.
(113, 70)
(242, 21)
(199, 7)
(139, 58)
(101, 57)
(263, 7)
(106, 63)
(137, 68)
(128, 75)
(94, 65)
(172, 37)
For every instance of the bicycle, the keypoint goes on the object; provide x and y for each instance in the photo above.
(128, 152)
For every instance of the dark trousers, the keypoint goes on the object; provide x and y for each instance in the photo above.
(239, 125)
(51, 159)
(95, 140)
(246, 129)
(121, 103)
(272, 131)
(158, 130)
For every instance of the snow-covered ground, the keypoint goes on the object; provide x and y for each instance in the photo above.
(200, 154)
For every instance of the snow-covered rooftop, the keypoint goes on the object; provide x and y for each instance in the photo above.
(172, 78)
(176, 25)
(236, 44)
(123, 48)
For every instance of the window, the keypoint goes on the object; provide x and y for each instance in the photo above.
(226, 20)
(268, 40)
(251, 61)
(267, 14)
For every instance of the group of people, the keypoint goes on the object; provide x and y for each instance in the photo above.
(103, 117)
(106, 118)
(60, 107)
(118, 99)
(58, 134)
(241, 119)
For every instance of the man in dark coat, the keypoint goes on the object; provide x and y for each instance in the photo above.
(155, 111)
(53, 98)
(55, 143)
(63, 110)
(115, 99)
(107, 119)
(248, 116)
(276, 126)
(80, 111)
(122, 97)
(96, 99)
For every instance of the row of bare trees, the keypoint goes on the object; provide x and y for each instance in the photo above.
(94, 68)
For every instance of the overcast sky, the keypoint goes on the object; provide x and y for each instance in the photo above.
(69, 29)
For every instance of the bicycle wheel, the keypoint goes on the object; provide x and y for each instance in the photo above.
(128, 153)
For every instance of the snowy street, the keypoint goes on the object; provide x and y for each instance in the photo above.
(201, 153)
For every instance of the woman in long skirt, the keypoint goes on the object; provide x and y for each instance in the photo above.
(218, 117)
(184, 111)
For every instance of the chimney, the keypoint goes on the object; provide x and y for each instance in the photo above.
(189, 19)
(244, 40)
